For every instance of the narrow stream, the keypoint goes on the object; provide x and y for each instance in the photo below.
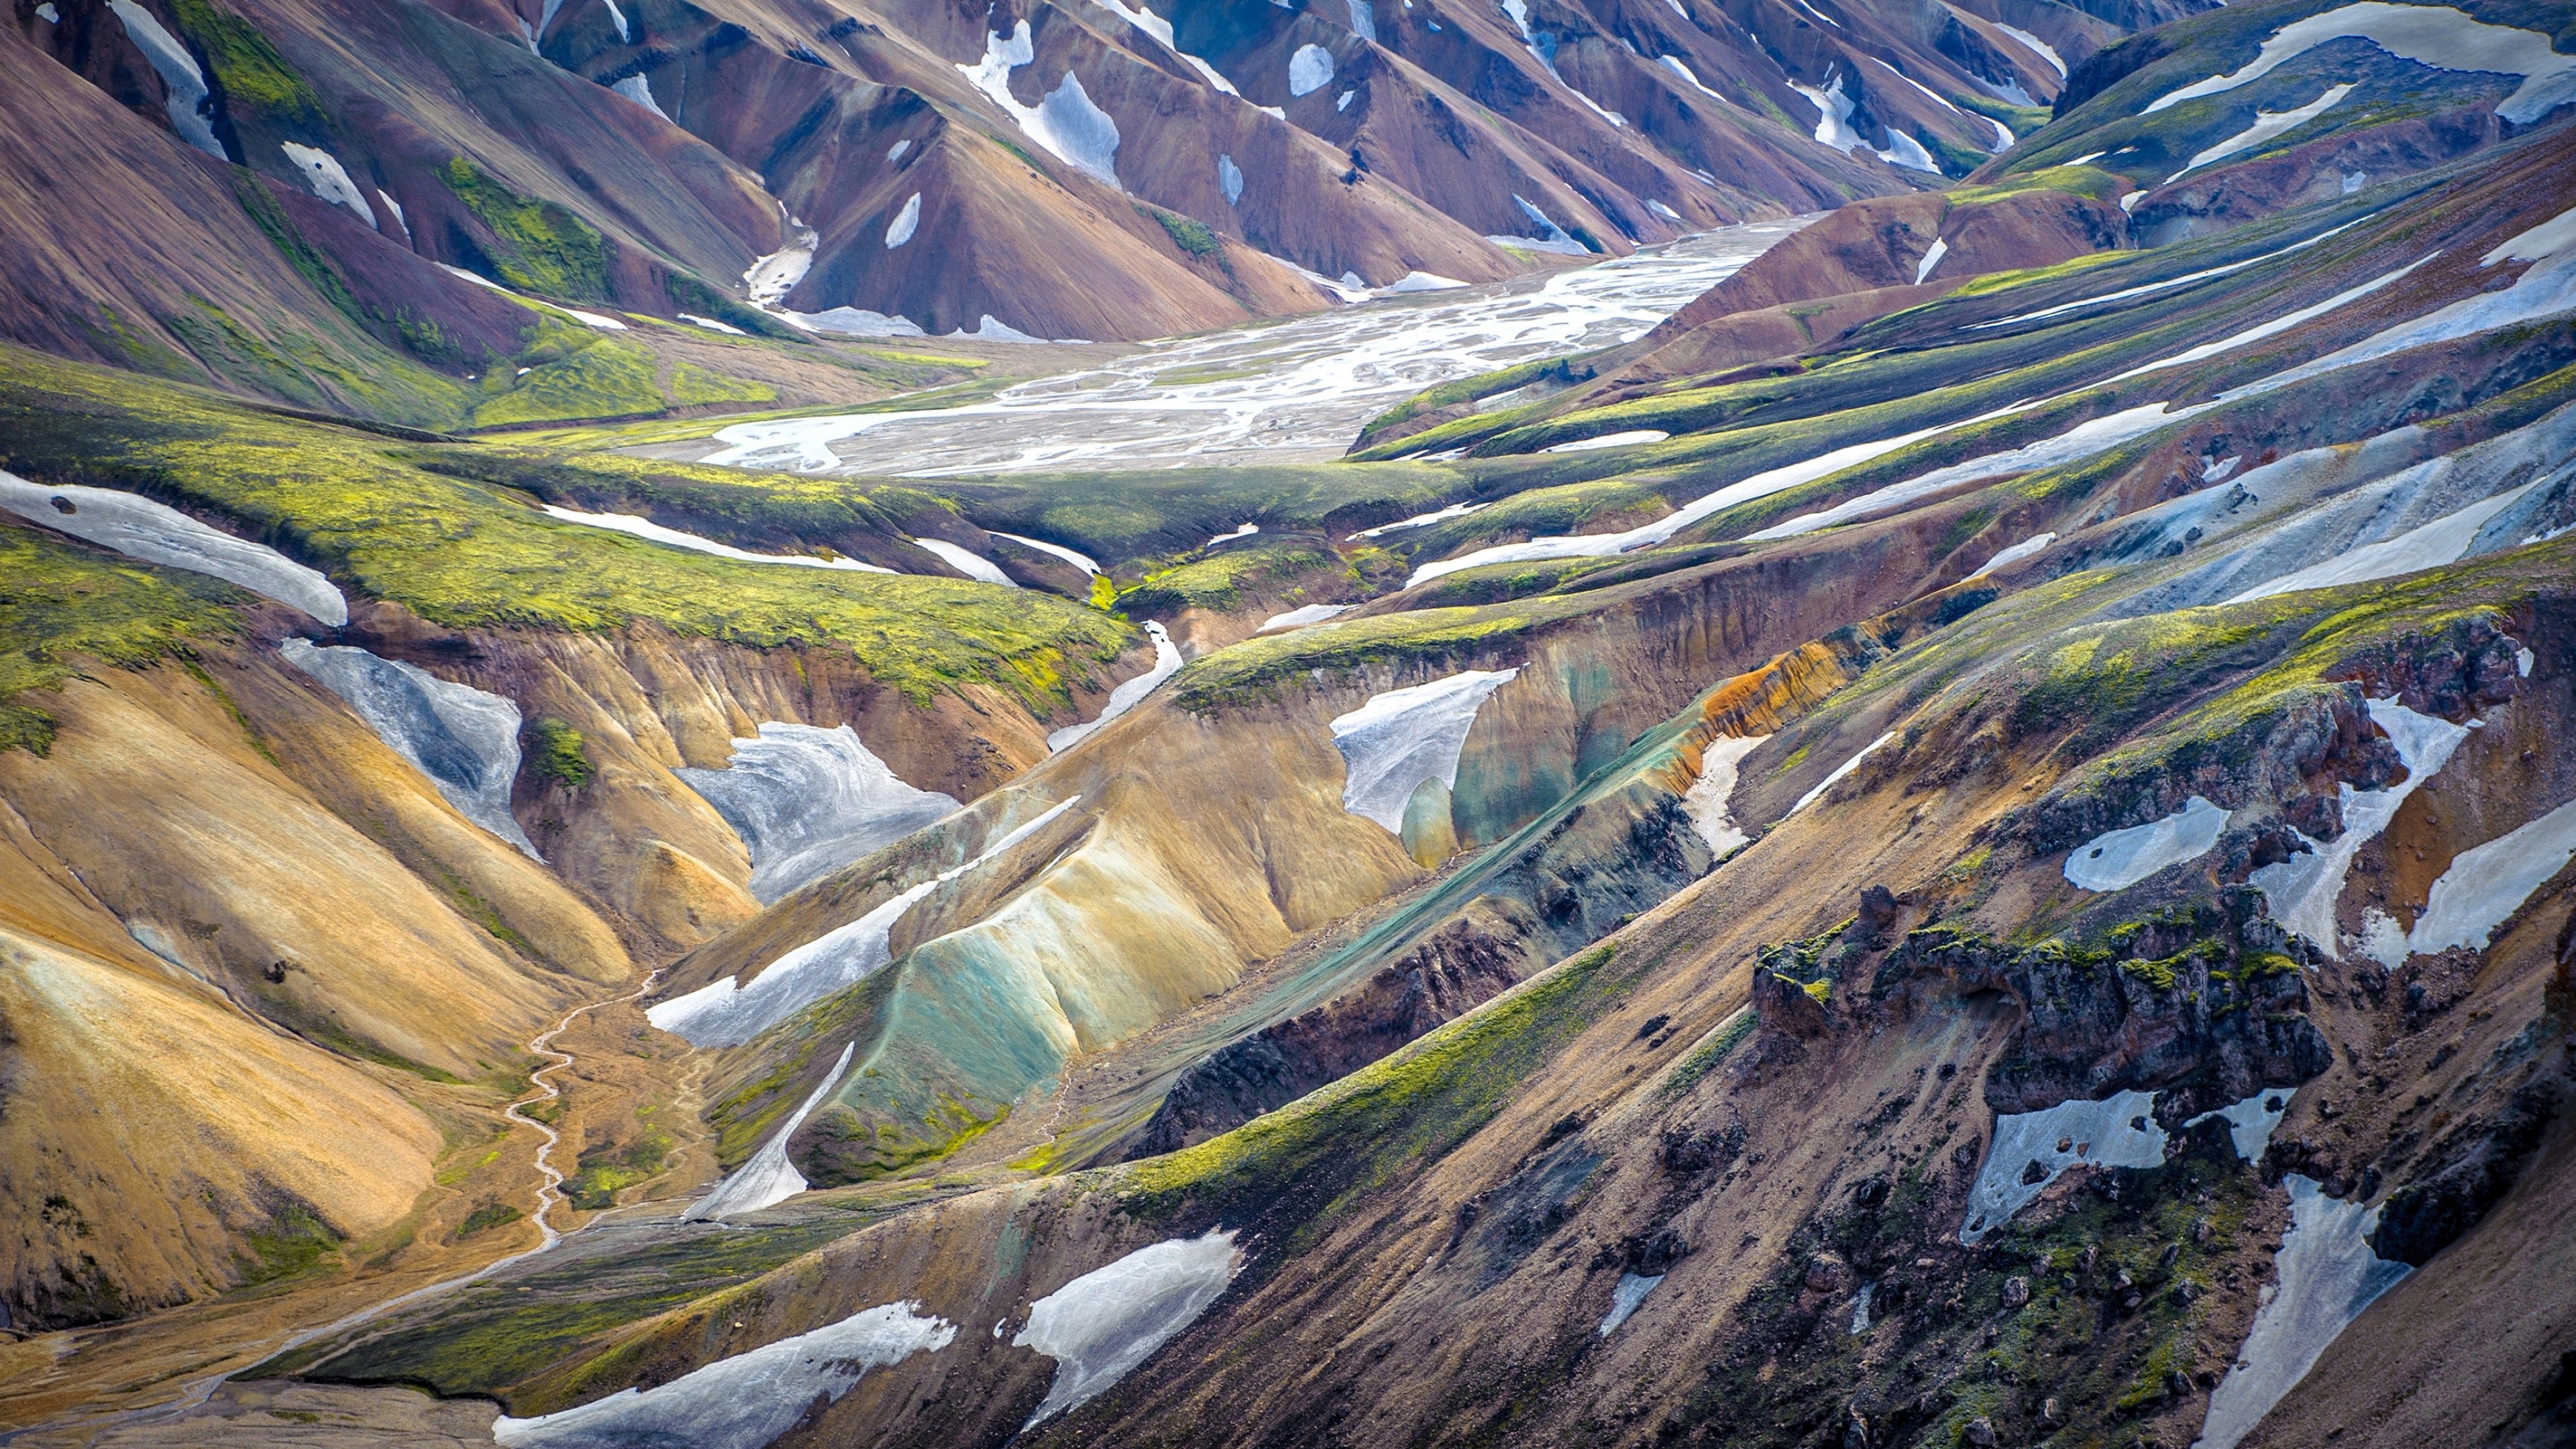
(1273, 392)
(549, 1196)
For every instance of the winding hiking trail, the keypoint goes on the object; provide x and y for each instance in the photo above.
(549, 1196)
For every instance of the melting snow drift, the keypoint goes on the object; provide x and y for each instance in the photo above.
(2328, 1276)
(2119, 859)
(767, 1178)
(745, 1401)
(1167, 662)
(1100, 1326)
(1402, 738)
(2118, 1131)
(157, 533)
(464, 740)
(808, 801)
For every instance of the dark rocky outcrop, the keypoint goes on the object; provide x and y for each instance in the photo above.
(2205, 1003)
(1462, 964)
(2474, 1166)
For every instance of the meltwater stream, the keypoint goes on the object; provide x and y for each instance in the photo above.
(1269, 392)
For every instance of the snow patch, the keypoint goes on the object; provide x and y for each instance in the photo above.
(2251, 1122)
(1931, 259)
(645, 528)
(48, 14)
(768, 1178)
(188, 102)
(464, 740)
(323, 172)
(728, 1013)
(2430, 35)
(1550, 238)
(2118, 1131)
(1309, 70)
(853, 322)
(1680, 67)
(1845, 768)
(2442, 541)
(639, 89)
(1144, 19)
(1612, 440)
(157, 533)
(973, 565)
(1299, 618)
(1363, 20)
(617, 18)
(1082, 561)
(1229, 179)
(1632, 1291)
(1707, 801)
(2485, 885)
(1128, 695)
(2267, 124)
(894, 153)
(807, 801)
(2537, 243)
(1403, 737)
(1454, 510)
(742, 1402)
(1066, 123)
(712, 325)
(2303, 889)
(905, 223)
(2118, 859)
(2547, 289)
(2081, 441)
(1246, 530)
(1101, 1326)
(2328, 1276)
(2042, 48)
(2012, 554)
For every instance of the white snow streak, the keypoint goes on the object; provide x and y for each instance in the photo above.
(1845, 768)
(157, 533)
(767, 1178)
(645, 528)
(1128, 695)
(905, 223)
(188, 100)
(1402, 738)
(2328, 1276)
(1101, 1326)
(973, 565)
(745, 1401)
(1066, 123)
(2431, 35)
(466, 741)
(2485, 885)
(2118, 859)
(1708, 800)
(323, 172)
(2303, 889)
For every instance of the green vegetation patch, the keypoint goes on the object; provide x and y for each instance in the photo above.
(1220, 581)
(1385, 1119)
(471, 554)
(1253, 667)
(248, 71)
(62, 604)
(572, 372)
(556, 753)
(543, 247)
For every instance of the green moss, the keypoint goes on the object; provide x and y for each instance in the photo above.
(61, 605)
(695, 386)
(1349, 1138)
(469, 554)
(2022, 119)
(484, 1218)
(248, 71)
(294, 1243)
(1705, 1057)
(557, 754)
(1220, 580)
(1190, 236)
(542, 247)
(579, 375)
(1257, 665)
(606, 1170)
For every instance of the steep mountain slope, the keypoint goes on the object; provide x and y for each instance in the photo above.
(2012, 884)
(910, 163)
(1967, 843)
